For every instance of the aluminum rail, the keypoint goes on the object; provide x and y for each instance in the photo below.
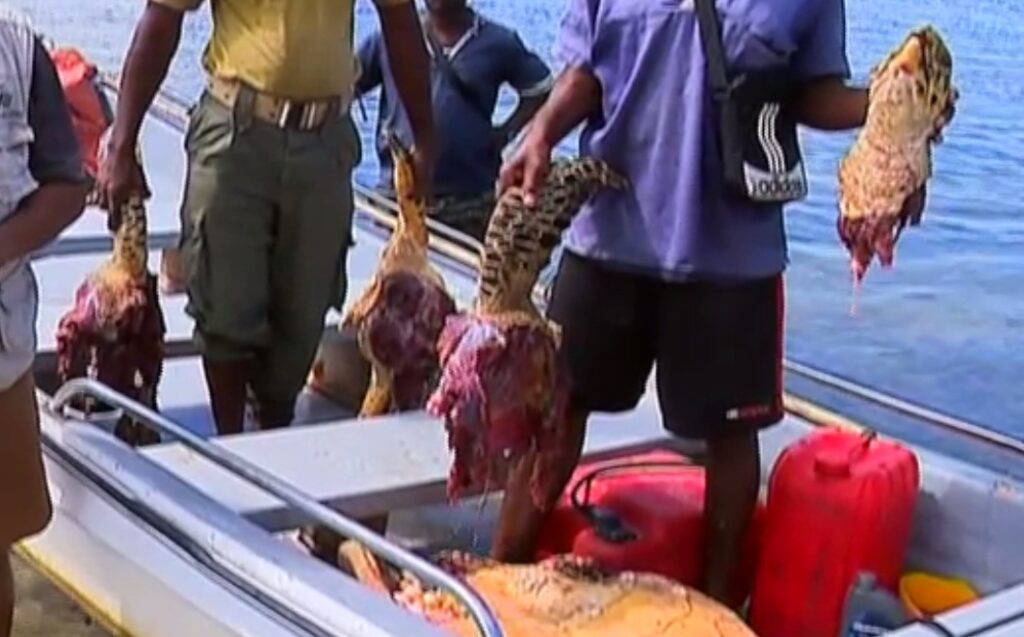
(379, 203)
(430, 574)
(905, 407)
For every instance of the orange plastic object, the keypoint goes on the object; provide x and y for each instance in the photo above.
(90, 114)
(838, 503)
(925, 595)
(659, 498)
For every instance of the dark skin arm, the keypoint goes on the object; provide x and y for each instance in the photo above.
(153, 45)
(525, 110)
(576, 96)
(40, 218)
(403, 38)
(829, 104)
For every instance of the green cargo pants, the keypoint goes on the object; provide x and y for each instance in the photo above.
(266, 221)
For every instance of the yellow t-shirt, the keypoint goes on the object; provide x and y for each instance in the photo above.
(299, 49)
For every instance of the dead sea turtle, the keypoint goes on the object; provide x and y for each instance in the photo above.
(560, 597)
(882, 177)
(400, 314)
(115, 330)
(502, 390)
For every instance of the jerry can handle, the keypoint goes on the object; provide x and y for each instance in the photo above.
(838, 464)
(607, 524)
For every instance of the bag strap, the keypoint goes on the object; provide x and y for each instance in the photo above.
(464, 89)
(730, 139)
(714, 50)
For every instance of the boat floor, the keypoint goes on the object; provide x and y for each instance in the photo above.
(43, 610)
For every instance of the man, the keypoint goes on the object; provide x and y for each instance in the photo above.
(674, 271)
(42, 191)
(267, 209)
(472, 58)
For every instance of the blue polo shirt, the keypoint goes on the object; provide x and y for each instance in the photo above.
(486, 57)
(657, 127)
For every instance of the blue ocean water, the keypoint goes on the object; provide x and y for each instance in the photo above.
(946, 326)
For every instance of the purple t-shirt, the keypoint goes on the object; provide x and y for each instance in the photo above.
(656, 125)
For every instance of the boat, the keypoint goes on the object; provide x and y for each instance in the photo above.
(191, 536)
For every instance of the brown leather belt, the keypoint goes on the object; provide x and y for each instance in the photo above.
(279, 111)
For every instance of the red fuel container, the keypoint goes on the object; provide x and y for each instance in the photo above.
(646, 514)
(838, 503)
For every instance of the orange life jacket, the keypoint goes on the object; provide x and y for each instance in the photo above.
(90, 111)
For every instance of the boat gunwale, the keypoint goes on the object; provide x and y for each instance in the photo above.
(117, 473)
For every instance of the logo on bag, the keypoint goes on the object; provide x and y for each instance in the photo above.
(766, 186)
(777, 184)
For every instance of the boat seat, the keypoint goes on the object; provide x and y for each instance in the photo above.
(371, 466)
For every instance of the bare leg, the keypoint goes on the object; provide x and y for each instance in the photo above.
(733, 476)
(6, 592)
(521, 519)
(227, 382)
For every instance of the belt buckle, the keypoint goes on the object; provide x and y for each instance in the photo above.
(284, 114)
(313, 113)
(301, 115)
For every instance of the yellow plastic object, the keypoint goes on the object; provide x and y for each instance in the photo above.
(926, 595)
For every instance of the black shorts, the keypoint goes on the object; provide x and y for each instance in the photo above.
(718, 346)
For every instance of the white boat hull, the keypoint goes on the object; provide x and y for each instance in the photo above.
(129, 577)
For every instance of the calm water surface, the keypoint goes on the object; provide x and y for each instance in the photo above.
(946, 326)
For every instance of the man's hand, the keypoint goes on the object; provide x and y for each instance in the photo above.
(576, 96)
(145, 67)
(528, 169)
(120, 178)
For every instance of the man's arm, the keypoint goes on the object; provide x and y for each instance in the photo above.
(532, 79)
(153, 45)
(149, 56)
(829, 104)
(576, 97)
(527, 107)
(825, 101)
(410, 66)
(55, 161)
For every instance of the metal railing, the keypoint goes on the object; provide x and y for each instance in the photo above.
(931, 416)
(429, 573)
